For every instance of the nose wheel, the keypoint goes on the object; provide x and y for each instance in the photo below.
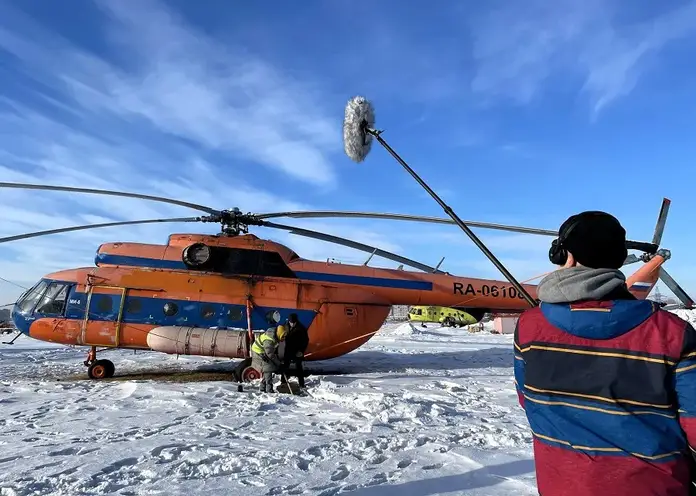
(98, 369)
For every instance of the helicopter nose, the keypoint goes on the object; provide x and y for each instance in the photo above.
(21, 321)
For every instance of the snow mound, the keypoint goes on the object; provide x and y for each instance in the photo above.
(396, 329)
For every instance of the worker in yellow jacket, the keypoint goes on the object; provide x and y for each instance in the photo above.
(264, 356)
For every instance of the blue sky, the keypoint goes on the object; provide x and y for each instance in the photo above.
(515, 113)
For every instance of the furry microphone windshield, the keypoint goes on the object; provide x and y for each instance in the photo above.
(359, 118)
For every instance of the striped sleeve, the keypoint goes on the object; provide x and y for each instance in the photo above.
(519, 366)
(685, 385)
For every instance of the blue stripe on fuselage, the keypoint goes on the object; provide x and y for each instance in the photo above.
(383, 282)
(366, 281)
(145, 310)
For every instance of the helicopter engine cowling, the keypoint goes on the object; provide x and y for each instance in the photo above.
(185, 340)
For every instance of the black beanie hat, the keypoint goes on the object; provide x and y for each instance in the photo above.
(597, 240)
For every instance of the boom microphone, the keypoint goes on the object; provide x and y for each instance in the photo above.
(358, 132)
(358, 121)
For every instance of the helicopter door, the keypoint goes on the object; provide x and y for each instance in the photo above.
(103, 316)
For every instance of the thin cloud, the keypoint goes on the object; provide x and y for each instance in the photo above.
(181, 82)
(521, 49)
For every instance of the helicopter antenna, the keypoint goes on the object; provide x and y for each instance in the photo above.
(358, 131)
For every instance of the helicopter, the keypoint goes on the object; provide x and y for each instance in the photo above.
(209, 295)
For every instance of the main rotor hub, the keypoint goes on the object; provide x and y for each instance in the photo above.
(233, 222)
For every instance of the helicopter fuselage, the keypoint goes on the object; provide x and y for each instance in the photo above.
(142, 296)
(232, 283)
(121, 307)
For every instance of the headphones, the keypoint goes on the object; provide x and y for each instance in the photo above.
(558, 254)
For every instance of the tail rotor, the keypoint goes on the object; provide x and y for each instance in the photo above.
(644, 279)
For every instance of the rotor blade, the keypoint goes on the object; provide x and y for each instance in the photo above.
(405, 217)
(631, 245)
(71, 189)
(661, 221)
(95, 226)
(354, 244)
(676, 288)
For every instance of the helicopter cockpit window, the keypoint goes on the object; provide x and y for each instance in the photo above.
(28, 300)
(54, 299)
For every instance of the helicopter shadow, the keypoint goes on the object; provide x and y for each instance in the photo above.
(365, 362)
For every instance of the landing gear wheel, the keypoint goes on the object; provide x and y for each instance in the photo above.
(250, 374)
(111, 369)
(244, 372)
(101, 369)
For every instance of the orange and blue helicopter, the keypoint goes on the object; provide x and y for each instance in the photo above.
(209, 294)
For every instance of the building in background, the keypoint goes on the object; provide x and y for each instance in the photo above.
(505, 323)
(398, 313)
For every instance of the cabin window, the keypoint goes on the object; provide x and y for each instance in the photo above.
(134, 306)
(104, 303)
(31, 297)
(207, 312)
(273, 316)
(54, 299)
(235, 314)
(170, 309)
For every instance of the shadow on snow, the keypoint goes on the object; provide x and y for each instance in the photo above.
(361, 362)
(482, 477)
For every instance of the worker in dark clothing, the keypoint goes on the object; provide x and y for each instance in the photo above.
(296, 342)
(608, 381)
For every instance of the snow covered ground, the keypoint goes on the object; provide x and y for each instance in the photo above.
(414, 412)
